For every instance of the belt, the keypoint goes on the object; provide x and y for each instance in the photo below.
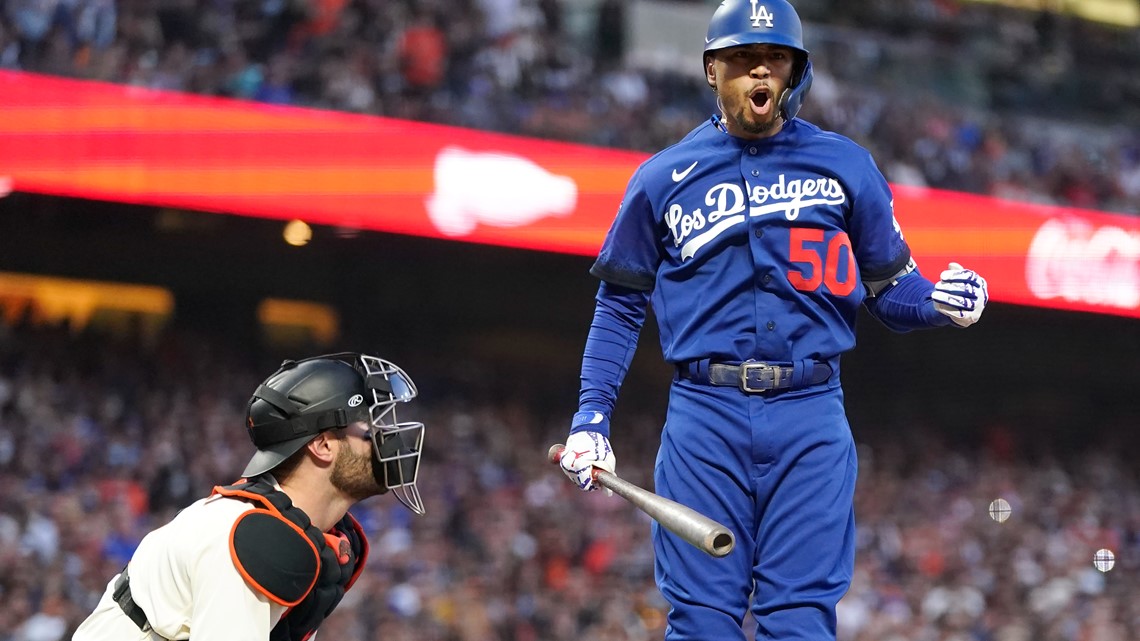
(755, 377)
(122, 596)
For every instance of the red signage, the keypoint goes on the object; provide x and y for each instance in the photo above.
(125, 144)
(1030, 254)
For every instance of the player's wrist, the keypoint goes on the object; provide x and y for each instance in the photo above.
(590, 421)
(933, 317)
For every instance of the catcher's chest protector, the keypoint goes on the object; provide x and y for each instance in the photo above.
(282, 555)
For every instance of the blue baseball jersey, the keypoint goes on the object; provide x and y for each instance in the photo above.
(755, 248)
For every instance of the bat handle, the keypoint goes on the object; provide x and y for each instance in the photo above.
(554, 455)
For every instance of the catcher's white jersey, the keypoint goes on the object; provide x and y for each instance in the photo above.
(183, 577)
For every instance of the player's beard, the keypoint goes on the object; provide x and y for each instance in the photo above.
(746, 120)
(353, 474)
(757, 127)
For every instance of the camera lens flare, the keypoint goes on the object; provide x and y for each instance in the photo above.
(1000, 510)
(1104, 560)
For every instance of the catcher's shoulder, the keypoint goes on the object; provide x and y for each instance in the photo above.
(274, 556)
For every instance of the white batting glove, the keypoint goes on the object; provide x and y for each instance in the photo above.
(961, 295)
(585, 451)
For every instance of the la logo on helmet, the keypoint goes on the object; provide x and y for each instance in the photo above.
(760, 13)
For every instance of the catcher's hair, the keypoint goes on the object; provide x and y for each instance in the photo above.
(285, 469)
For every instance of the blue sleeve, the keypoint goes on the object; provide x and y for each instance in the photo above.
(631, 251)
(619, 314)
(907, 305)
(880, 249)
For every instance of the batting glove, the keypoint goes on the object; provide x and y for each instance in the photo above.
(961, 295)
(585, 451)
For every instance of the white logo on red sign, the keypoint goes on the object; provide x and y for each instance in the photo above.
(496, 189)
(1081, 263)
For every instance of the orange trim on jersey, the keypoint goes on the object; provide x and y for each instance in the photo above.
(249, 578)
(360, 561)
(334, 540)
(271, 509)
(245, 494)
(329, 539)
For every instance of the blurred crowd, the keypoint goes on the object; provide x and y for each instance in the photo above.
(1019, 104)
(103, 438)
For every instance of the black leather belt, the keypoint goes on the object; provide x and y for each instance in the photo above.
(756, 377)
(122, 596)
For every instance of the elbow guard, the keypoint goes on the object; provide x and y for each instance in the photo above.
(875, 287)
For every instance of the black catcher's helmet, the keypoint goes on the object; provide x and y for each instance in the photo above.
(306, 397)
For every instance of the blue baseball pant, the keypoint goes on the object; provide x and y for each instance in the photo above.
(779, 471)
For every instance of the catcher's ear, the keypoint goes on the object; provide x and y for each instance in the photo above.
(321, 446)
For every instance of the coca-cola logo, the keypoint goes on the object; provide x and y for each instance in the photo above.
(1081, 263)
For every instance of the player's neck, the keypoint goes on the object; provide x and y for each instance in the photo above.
(318, 499)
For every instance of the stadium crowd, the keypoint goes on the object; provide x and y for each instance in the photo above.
(946, 93)
(103, 438)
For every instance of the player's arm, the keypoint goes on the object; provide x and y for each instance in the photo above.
(896, 292)
(627, 266)
(225, 606)
(902, 301)
(619, 314)
(907, 300)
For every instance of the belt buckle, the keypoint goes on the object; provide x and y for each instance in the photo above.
(759, 366)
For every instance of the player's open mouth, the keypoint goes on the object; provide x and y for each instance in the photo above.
(761, 103)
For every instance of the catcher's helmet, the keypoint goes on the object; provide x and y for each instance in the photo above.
(745, 22)
(306, 397)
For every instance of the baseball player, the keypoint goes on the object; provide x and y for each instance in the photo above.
(270, 556)
(756, 238)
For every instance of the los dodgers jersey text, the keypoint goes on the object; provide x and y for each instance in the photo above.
(755, 248)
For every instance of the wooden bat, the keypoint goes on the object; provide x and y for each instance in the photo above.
(706, 534)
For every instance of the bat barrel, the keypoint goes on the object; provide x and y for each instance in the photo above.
(719, 542)
(692, 526)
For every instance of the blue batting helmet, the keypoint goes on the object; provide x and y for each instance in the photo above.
(775, 22)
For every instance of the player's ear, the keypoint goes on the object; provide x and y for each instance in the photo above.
(710, 71)
(322, 448)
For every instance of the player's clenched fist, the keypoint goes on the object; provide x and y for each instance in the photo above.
(961, 294)
(584, 451)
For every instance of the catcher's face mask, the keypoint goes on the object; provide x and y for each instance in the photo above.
(395, 445)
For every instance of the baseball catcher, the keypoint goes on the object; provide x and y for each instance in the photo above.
(271, 556)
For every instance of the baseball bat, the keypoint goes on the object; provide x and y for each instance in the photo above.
(706, 534)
